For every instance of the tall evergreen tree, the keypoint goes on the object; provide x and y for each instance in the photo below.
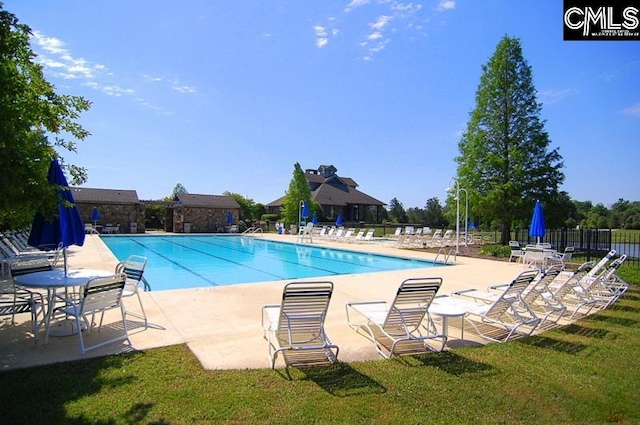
(434, 213)
(36, 123)
(505, 162)
(397, 214)
(298, 191)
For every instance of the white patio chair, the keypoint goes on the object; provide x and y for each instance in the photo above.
(295, 327)
(100, 294)
(516, 251)
(133, 268)
(404, 326)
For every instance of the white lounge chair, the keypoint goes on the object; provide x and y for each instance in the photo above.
(403, 326)
(295, 328)
(502, 319)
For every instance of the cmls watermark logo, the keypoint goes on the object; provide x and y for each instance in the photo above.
(593, 20)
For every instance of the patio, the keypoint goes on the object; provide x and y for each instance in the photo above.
(221, 325)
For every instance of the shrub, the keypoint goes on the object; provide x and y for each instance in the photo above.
(501, 251)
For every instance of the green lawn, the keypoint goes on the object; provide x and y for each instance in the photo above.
(584, 373)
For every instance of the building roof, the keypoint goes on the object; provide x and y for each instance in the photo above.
(327, 188)
(330, 194)
(206, 201)
(104, 196)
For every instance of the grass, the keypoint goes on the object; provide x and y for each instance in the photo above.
(583, 373)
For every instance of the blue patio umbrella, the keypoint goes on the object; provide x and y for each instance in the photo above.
(95, 216)
(339, 220)
(305, 210)
(537, 229)
(67, 228)
(229, 218)
(314, 219)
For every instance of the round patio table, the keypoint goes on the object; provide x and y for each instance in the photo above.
(52, 280)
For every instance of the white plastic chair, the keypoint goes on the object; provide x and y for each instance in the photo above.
(133, 267)
(99, 295)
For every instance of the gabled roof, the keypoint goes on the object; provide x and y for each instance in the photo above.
(207, 201)
(328, 194)
(330, 189)
(104, 196)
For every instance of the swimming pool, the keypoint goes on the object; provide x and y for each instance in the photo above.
(181, 261)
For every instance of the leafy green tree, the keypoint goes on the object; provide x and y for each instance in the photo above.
(397, 213)
(505, 162)
(178, 188)
(434, 213)
(246, 206)
(35, 123)
(415, 215)
(298, 191)
(257, 211)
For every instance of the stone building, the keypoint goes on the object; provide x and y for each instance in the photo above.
(201, 213)
(118, 209)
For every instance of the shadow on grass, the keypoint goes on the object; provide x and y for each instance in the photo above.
(449, 362)
(553, 344)
(613, 320)
(53, 387)
(339, 379)
(575, 329)
(626, 308)
(631, 297)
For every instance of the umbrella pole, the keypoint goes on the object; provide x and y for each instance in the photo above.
(64, 256)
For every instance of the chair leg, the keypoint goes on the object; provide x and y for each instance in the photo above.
(141, 316)
(82, 349)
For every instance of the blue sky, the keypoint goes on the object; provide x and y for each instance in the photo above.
(228, 95)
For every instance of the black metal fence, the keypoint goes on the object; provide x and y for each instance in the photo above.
(593, 243)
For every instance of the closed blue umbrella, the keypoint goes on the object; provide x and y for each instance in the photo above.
(229, 218)
(537, 228)
(305, 210)
(339, 220)
(64, 230)
(314, 219)
(95, 216)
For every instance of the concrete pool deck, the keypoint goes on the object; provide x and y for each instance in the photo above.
(222, 325)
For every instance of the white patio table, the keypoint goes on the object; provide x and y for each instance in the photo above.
(445, 311)
(52, 280)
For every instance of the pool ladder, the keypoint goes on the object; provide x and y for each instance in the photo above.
(253, 231)
(446, 251)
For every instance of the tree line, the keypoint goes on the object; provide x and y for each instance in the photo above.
(622, 214)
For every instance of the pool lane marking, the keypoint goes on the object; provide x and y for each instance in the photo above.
(210, 282)
(224, 259)
(284, 260)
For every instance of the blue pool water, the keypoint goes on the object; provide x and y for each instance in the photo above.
(179, 262)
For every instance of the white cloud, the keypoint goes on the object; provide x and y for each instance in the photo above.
(49, 44)
(552, 96)
(406, 7)
(381, 22)
(184, 88)
(354, 4)
(446, 5)
(152, 78)
(632, 110)
(54, 56)
(322, 36)
(390, 16)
